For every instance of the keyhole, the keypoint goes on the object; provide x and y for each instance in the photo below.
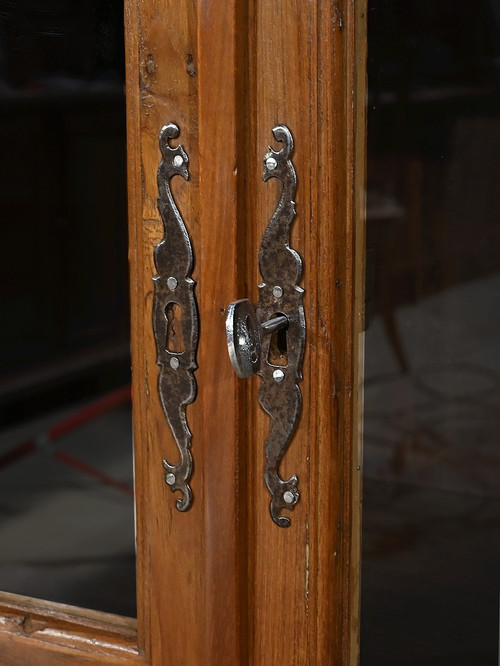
(278, 345)
(175, 339)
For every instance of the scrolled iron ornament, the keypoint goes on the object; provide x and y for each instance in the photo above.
(280, 294)
(176, 337)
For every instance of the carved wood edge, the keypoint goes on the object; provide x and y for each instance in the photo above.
(102, 638)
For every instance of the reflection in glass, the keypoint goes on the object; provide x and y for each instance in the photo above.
(431, 526)
(66, 504)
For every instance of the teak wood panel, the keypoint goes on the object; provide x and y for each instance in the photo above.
(263, 595)
(189, 566)
(221, 584)
(306, 69)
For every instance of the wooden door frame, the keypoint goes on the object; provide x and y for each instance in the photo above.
(204, 593)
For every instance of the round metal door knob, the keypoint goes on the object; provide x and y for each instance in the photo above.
(243, 337)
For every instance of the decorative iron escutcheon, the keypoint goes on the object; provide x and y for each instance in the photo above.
(175, 316)
(270, 341)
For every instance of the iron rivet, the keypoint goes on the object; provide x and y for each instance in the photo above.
(277, 292)
(178, 160)
(174, 362)
(289, 497)
(170, 479)
(172, 283)
(278, 376)
(271, 163)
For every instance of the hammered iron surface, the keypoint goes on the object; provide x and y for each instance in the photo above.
(173, 286)
(281, 266)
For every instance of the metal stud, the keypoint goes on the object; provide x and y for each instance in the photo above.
(170, 479)
(278, 376)
(172, 283)
(271, 163)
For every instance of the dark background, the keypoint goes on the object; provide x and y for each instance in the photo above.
(63, 250)
(431, 505)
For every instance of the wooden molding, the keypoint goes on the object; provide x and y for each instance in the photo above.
(50, 633)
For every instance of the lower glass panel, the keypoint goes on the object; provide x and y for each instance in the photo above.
(66, 512)
(431, 525)
(66, 500)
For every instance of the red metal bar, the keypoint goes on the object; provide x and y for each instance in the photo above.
(96, 408)
(87, 413)
(17, 452)
(93, 471)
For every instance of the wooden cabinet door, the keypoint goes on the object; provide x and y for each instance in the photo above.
(222, 584)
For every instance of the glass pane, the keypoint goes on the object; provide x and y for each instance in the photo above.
(66, 501)
(431, 526)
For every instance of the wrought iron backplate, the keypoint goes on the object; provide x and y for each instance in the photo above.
(279, 294)
(175, 308)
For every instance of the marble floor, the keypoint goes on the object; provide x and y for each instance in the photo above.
(431, 508)
(66, 535)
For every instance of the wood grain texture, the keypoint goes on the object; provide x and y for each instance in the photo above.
(162, 88)
(41, 632)
(306, 73)
(359, 84)
(256, 64)
(189, 564)
(221, 393)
